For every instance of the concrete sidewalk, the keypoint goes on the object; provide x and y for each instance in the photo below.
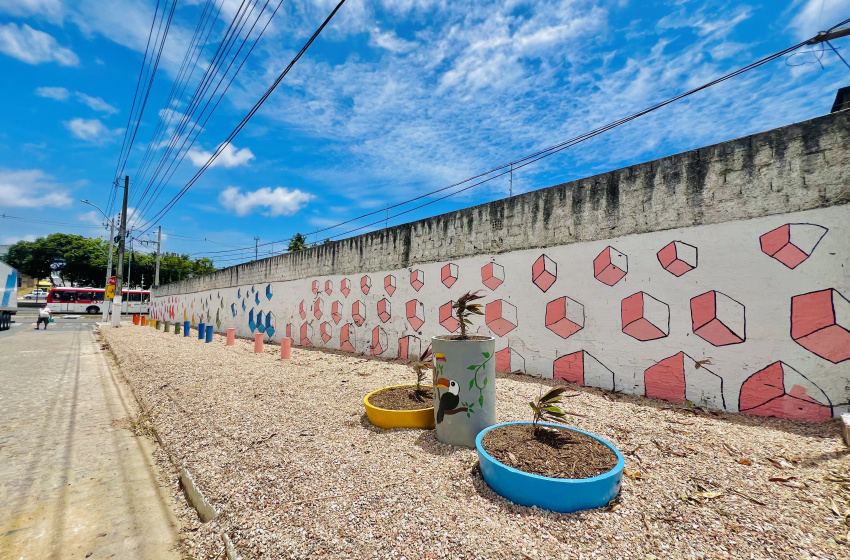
(74, 481)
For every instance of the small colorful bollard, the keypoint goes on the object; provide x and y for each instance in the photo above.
(135, 319)
(166, 327)
(285, 348)
(143, 321)
(209, 333)
(231, 337)
(156, 324)
(176, 327)
(201, 330)
(186, 328)
(258, 343)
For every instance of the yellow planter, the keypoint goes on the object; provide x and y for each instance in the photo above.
(383, 418)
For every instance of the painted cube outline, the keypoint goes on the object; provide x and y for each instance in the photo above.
(336, 311)
(610, 266)
(389, 284)
(792, 243)
(345, 286)
(417, 279)
(492, 275)
(564, 316)
(544, 272)
(384, 310)
(358, 313)
(449, 274)
(326, 331)
(415, 312)
(826, 331)
(317, 309)
(781, 401)
(447, 319)
(678, 257)
(718, 319)
(635, 322)
(365, 284)
(500, 316)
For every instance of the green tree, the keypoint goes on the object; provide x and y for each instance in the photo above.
(84, 261)
(297, 243)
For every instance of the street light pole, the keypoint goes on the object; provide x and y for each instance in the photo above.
(158, 250)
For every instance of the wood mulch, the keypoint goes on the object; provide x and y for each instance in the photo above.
(554, 452)
(403, 398)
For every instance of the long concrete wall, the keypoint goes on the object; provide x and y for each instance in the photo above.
(718, 276)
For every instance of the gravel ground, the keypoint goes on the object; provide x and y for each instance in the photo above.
(285, 452)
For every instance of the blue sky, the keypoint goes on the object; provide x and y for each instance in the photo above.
(396, 98)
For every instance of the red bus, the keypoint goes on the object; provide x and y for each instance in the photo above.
(90, 300)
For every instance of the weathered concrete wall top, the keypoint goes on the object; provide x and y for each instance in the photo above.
(797, 167)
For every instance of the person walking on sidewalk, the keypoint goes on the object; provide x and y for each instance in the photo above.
(43, 316)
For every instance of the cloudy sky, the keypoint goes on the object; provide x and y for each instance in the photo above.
(395, 99)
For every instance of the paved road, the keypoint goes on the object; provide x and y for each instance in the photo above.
(74, 482)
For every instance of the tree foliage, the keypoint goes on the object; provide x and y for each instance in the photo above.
(297, 243)
(82, 261)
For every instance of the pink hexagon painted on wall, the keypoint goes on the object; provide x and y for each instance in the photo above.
(447, 317)
(782, 391)
(644, 317)
(718, 319)
(329, 289)
(346, 338)
(379, 341)
(336, 311)
(358, 313)
(365, 285)
(389, 284)
(544, 272)
(564, 316)
(345, 286)
(610, 266)
(492, 275)
(317, 308)
(509, 360)
(384, 310)
(417, 279)
(792, 244)
(315, 287)
(678, 258)
(327, 331)
(306, 334)
(679, 378)
(448, 275)
(301, 310)
(582, 368)
(415, 310)
(820, 323)
(409, 347)
(500, 316)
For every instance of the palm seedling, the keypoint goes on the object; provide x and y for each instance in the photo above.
(464, 308)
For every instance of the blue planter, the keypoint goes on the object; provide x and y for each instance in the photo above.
(556, 494)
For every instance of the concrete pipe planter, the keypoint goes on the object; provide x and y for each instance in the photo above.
(557, 494)
(384, 418)
(465, 394)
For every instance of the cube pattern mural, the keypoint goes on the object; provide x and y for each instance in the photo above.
(780, 390)
(417, 279)
(679, 378)
(610, 266)
(718, 319)
(493, 275)
(448, 275)
(384, 310)
(389, 284)
(447, 317)
(544, 272)
(415, 310)
(564, 316)
(644, 317)
(820, 323)
(500, 316)
(582, 368)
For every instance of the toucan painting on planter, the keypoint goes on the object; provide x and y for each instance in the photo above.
(464, 375)
(404, 406)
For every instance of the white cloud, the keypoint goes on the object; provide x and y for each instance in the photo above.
(34, 47)
(57, 93)
(91, 130)
(229, 157)
(389, 41)
(96, 103)
(30, 188)
(278, 202)
(12, 239)
(818, 15)
(48, 9)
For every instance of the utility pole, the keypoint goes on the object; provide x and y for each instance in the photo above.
(119, 276)
(158, 248)
(256, 247)
(130, 267)
(109, 267)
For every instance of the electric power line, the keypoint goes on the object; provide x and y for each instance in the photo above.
(537, 156)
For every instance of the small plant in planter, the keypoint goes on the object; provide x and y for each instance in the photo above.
(404, 406)
(549, 465)
(464, 376)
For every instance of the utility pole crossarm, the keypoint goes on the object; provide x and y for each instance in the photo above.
(824, 36)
